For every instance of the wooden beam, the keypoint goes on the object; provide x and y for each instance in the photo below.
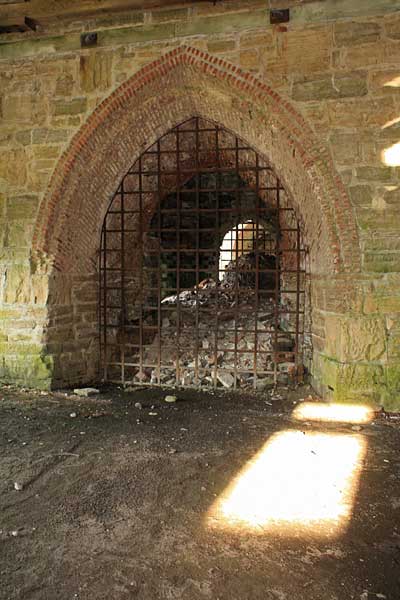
(13, 1)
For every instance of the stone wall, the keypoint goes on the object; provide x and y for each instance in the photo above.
(318, 96)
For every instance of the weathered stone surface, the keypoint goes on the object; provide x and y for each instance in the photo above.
(216, 46)
(95, 71)
(325, 87)
(50, 136)
(347, 34)
(392, 27)
(24, 108)
(361, 195)
(70, 107)
(22, 207)
(17, 287)
(345, 147)
(375, 173)
(382, 262)
(302, 51)
(355, 338)
(225, 23)
(249, 59)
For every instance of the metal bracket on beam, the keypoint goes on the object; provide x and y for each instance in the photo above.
(88, 40)
(278, 15)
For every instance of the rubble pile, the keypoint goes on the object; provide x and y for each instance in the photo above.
(221, 332)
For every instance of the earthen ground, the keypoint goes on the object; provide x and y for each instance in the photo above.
(109, 510)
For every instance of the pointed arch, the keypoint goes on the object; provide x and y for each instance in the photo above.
(183, 83)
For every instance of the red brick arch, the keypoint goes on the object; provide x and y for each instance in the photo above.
(181, 84)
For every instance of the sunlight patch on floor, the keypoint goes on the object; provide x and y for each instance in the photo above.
(297, 481)
(331, 412)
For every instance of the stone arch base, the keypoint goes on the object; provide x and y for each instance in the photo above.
(184, 83)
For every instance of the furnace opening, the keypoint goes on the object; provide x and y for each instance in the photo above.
(202, 268)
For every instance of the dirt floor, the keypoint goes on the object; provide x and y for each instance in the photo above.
(116, 500)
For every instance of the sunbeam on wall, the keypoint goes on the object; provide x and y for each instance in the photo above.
(299, 482)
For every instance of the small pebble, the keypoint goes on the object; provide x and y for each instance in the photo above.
(170, 399)
(73, 415)
(357, 428)
(153, 414)
(138, 405)
(18, 486)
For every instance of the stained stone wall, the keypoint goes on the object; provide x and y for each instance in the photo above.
(330, 79)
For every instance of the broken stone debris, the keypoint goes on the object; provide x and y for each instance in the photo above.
(213, 333)
(85, 392)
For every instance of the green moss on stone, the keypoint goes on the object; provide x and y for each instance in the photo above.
(27, 368)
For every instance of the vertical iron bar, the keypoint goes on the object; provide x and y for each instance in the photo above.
(236, 255)
(178, 260)
(105, 299)
(257, 274)
(277, 281)
(123, 308)
(159, 314)
(217, 187)
(196, 358)
(140, 268)
(296, 347)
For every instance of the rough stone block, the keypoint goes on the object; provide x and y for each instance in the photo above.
(358, 382)
(95, 71)
(249, 60)
(70, 107)
(24, 109)
(254, 39)
(384, 262)
(361, 195)
(345, 147)
(221, 46)
(392, 27)
(50, 136)
(351, 33)
(324, 87)
(13, 167)
(17, 287)
(364, 56)
(372, 173)
(355, 338)
(22, 207)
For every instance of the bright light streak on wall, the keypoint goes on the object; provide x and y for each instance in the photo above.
(338, 413)
(395, 82)
(391, 123)
(297, 481)
(391, 155)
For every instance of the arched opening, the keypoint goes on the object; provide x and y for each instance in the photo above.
(66, 239)
(202, 268)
